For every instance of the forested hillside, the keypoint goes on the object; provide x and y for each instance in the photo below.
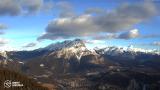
(27, 83)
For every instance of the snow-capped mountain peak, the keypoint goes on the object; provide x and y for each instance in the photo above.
(126, 52)
(4, 57)
(3, 54)
(65, 44)
(69, 49)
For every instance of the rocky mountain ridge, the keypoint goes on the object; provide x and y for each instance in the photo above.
(75, 48)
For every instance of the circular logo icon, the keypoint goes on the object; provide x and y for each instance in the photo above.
(7, 84)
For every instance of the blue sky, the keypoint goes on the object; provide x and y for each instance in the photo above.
(25, 26)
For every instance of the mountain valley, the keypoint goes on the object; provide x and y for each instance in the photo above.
(71, 66)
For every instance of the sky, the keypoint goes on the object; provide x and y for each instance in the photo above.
(32, 24)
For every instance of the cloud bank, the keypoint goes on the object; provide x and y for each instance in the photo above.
(118, 20)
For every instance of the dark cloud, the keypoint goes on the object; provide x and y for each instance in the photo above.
(17, 7)
(118, 20)
(67, 14)
(106, 36)
(95, 11)
(69, 27)
(32, 6)
(9, 7)
(30, 45)
(126, 16)
(66, 9)
(24, 7)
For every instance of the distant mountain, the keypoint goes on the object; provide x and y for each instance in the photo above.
(128, 53)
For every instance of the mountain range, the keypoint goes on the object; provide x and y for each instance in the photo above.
(74, 53)
(72, 57)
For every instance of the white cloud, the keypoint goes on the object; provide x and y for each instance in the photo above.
(94, 41)
(3, 41)
(134, 33)
(4, 45)
(157, 43)
(7, 48)
(3, 26)
(130, 34)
